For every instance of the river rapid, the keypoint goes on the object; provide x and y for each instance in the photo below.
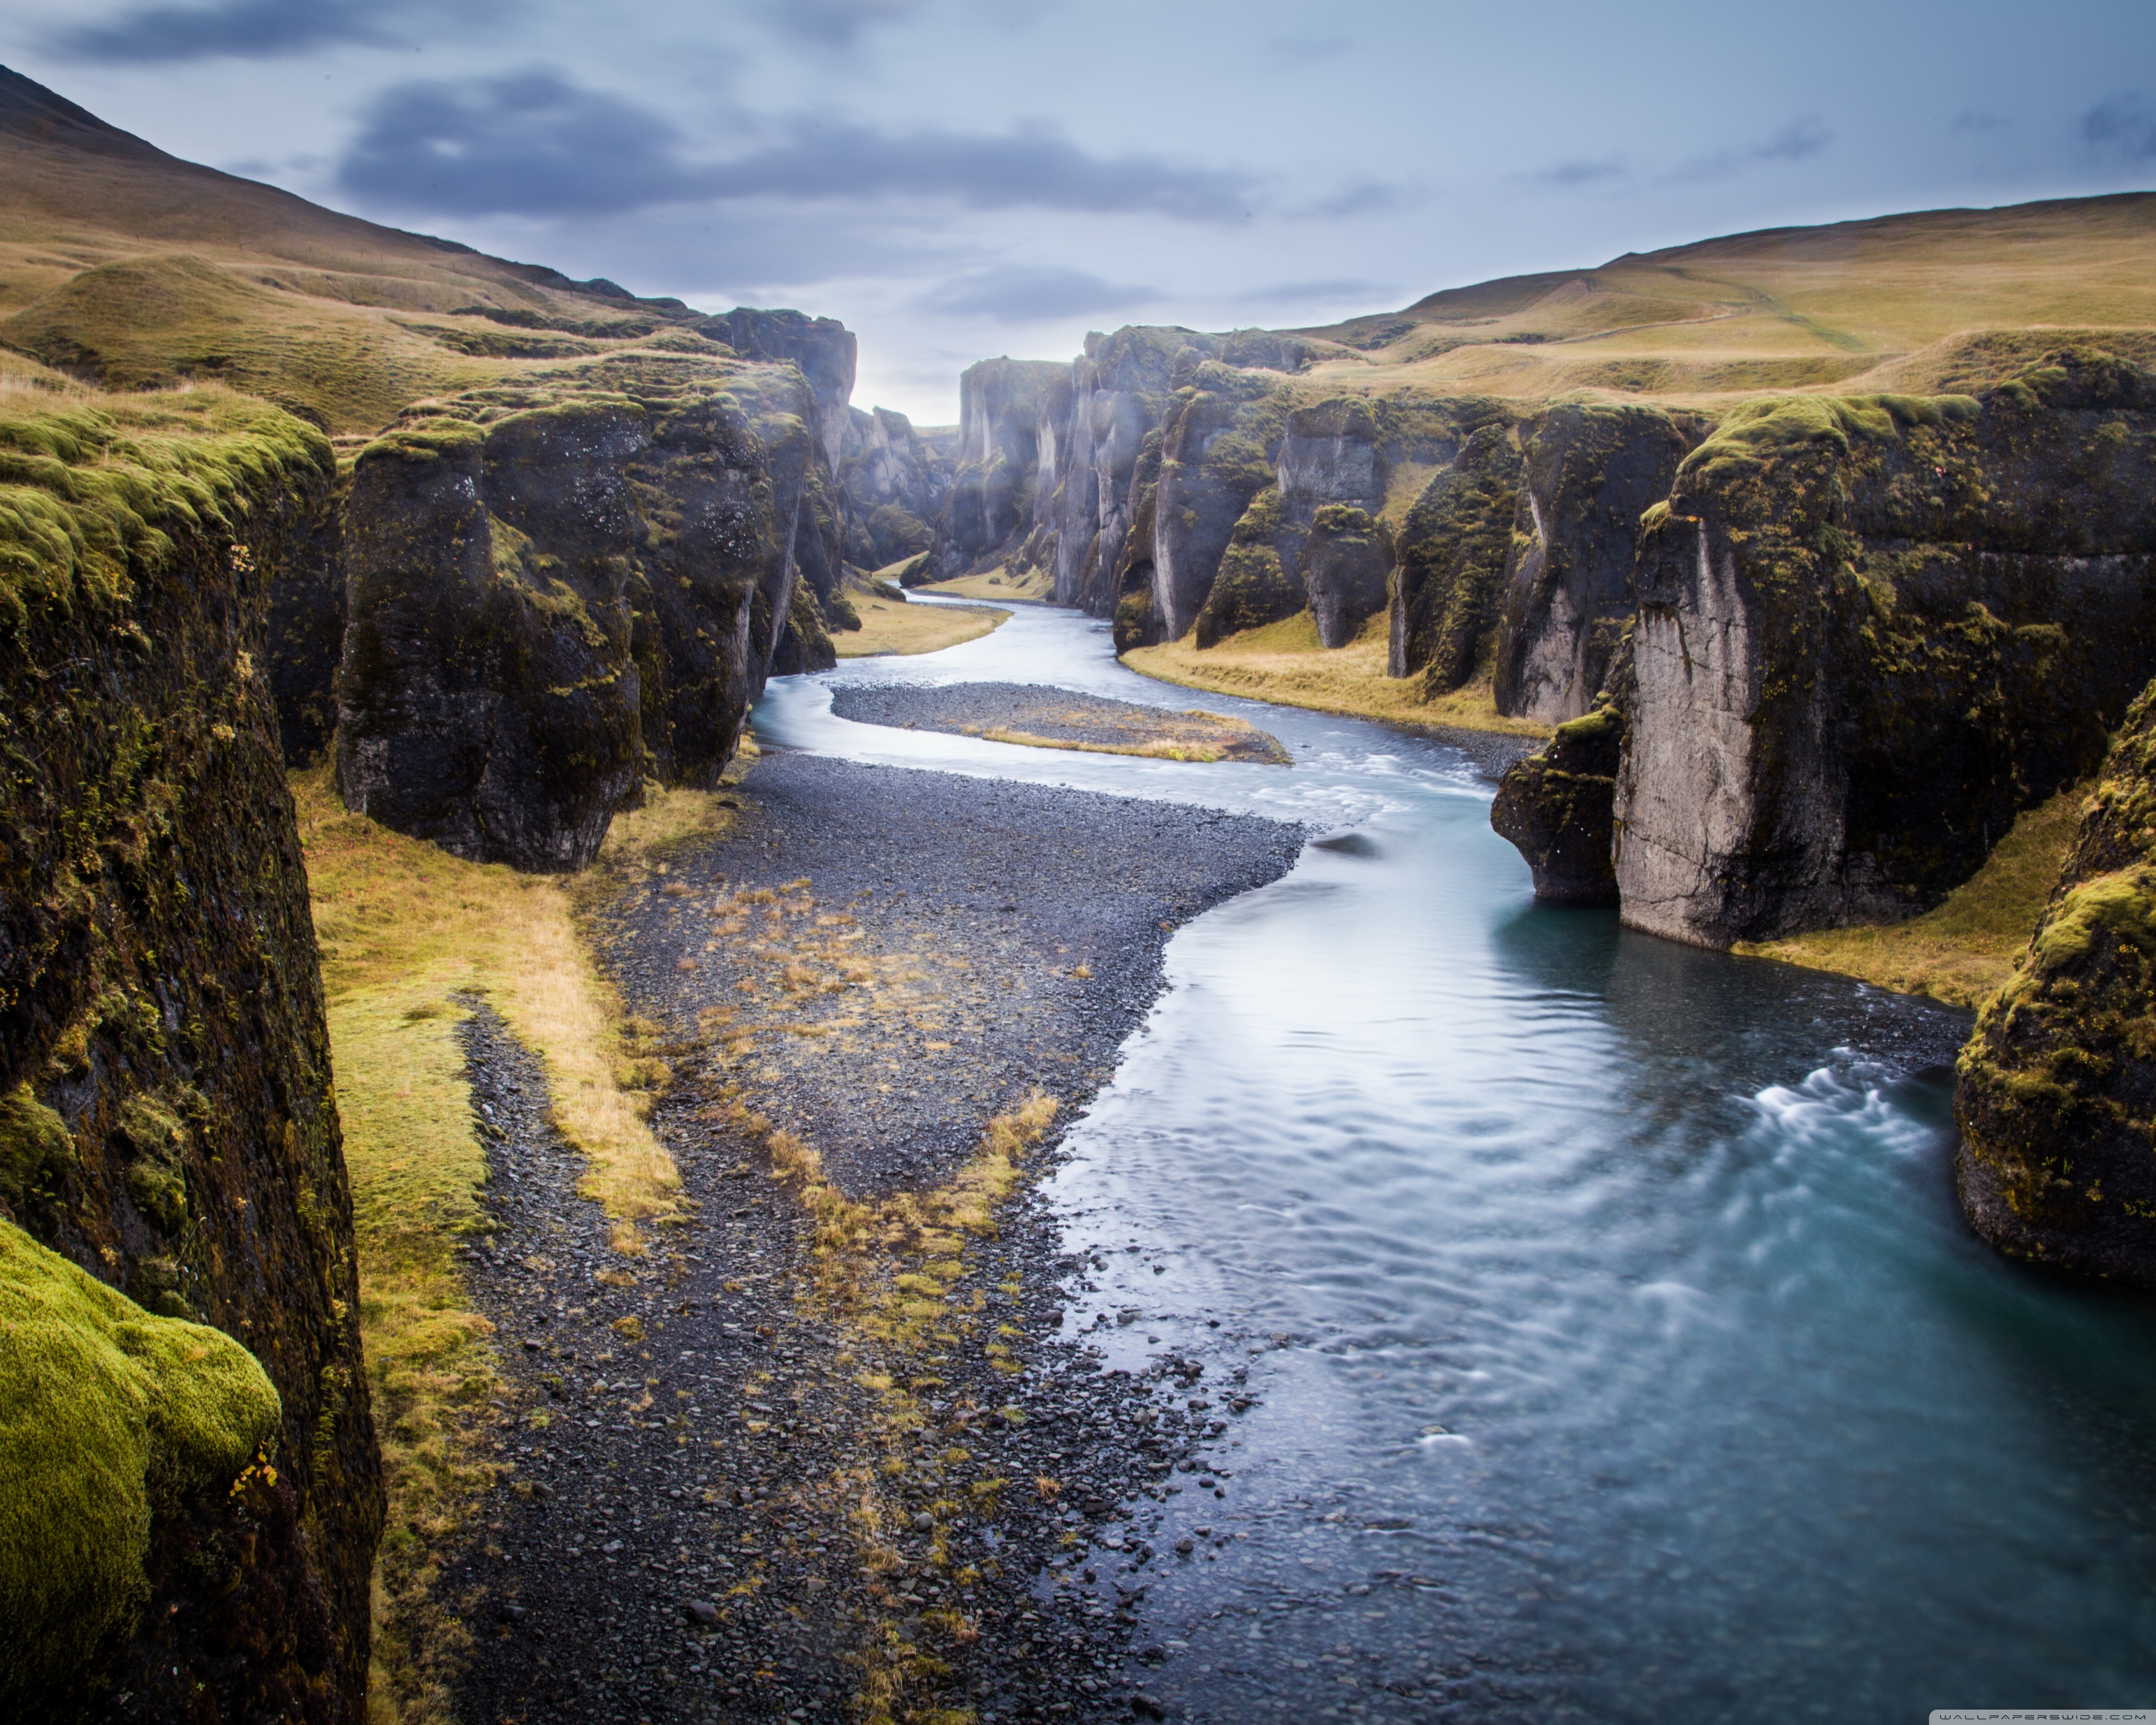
(1620, 1350)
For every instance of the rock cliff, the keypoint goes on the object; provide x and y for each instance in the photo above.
(557, 589)
(1869, 631)
(1006, 408)
(894, 478)
(2055, 1090)
(1587, 476)
(191, 1526)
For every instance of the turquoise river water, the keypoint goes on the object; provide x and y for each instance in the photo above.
(1621, 1354)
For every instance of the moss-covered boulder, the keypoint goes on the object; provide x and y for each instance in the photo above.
(1588, 474)
(168, 1123)
(2055, 1090)
(112, 1420)
(1870, 631)
(1556, 806)
(558, 590)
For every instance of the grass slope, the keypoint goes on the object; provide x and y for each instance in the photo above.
(129, 267)
(410, 935)
(1909, 302)
(1964, 949)
(895, 626)
(1284, 662)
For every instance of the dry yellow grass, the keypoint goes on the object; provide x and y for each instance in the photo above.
(1284, 663)
(409, 935)
(1964, 949)
(1003, 583)
(888, 626)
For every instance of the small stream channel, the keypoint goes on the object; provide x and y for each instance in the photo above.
(1621, 1352)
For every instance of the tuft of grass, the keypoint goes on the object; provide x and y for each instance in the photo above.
(1285, 663)
(890, 1271)
(893, 626)
(410, 936)
(1964, 949)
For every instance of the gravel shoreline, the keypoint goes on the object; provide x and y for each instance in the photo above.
(710, 1511)
(1057, 716)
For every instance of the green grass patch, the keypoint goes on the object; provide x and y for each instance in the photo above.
(1964, 951)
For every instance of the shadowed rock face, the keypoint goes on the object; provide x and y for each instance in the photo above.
(1446, 584)
(1869, 632)
(1219, 450)
(2055, 1090)
(1556, 806)
(1586, 476)
(1003, 405)
(894, 479)
(555, 591)
(167, 1118)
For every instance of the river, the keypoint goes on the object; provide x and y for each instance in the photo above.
(1620, 1350)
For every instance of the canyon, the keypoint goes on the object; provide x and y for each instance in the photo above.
(1807, 624)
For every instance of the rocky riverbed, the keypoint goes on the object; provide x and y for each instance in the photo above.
(733, 1494)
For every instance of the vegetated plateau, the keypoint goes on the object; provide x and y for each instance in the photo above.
(381, 622)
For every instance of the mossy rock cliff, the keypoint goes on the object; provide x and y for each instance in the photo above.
(1871, 631)
(559, 589)
(2055, 1090)
(168, 1124)
(1556, 806)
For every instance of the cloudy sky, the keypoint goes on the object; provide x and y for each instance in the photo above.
(956, 178)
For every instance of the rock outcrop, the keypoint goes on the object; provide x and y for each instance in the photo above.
(1872, 630)
(1556, 806)
(894, 478)
(1005, 408)
(2055, 1090)
(1445, 585)
(186, 1524)
(1869, 632)
(557, 590)
(1587, 476)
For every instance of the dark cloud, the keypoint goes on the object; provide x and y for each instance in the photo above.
(1565, 176)
(2123, 126)
(249, 29)
(833, 24)
(1800, 138)
(819, 158)
(1022, 293)
(530, 144)
(534, 144)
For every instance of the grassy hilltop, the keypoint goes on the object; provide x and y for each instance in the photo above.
(128, 267)
(1936, 302)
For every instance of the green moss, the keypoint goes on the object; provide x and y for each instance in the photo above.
(35, 1146)
(2120, 904)
(109, 1418)
(1758, 431)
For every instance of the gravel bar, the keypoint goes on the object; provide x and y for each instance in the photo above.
(1055, 716)
(674, 1538)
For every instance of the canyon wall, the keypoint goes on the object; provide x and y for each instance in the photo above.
(894, 477)
(557, 589)
(2055, 1090)
(1868, 632)
(194, 1493)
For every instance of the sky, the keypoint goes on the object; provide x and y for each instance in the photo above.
(956, 179)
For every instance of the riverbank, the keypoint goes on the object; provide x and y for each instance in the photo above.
(897, 626)
(1285, 663)
(1037, 716)
(1963, 951)
(823, 1448)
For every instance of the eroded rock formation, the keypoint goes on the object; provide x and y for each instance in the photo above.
(2055, 1091)
(167, 1124)
(894, 478)
(558, 590)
